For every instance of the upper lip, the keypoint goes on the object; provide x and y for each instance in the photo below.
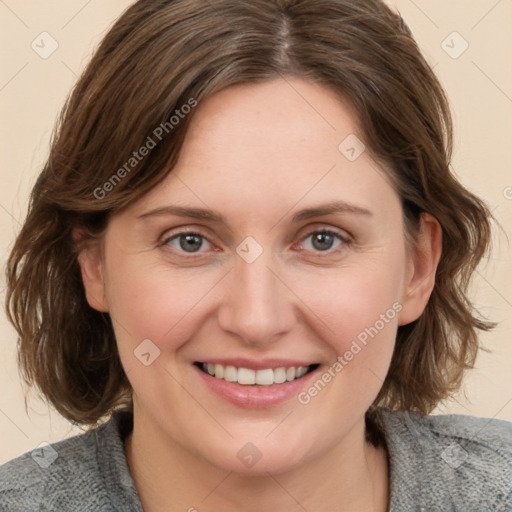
(260, 364)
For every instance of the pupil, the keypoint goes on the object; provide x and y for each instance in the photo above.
(323, 241)
(192, 242)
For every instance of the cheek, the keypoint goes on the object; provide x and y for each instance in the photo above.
(155, 301)
(161, 305)
(358, 320)
(354, 311)
(348, 300)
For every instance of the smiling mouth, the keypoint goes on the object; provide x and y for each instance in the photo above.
(249, 377)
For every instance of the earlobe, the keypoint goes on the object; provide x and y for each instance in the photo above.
(91, 268)
(422, 265)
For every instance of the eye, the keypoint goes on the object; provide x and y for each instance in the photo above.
(316, 241)
(323, 240)
(187, 242)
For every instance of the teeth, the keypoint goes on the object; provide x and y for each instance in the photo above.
(248, 377)
(219, 371)
(264, 377)
(301, 371)
(230, 374)
(279, 375)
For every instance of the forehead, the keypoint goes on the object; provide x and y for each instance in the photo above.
(275, 120)
(265, 147)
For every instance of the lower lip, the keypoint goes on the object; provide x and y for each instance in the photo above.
(256, 397)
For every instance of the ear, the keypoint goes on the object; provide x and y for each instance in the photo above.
(91, 267)
(422, 262)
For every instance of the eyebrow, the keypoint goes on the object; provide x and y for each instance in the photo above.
(330, 208)
(206, 214)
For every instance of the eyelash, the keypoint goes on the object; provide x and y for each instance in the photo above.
(345, 241)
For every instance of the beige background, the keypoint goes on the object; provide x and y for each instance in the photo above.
(478, 82)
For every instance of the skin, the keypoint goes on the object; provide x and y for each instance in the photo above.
(258, 154)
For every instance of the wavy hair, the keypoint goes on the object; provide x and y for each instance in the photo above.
(156, 58)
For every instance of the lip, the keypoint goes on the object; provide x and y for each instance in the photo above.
(256, 397)
(261, 364)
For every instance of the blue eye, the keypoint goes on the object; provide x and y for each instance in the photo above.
(325, 240)
(315, 241)
(187, 242)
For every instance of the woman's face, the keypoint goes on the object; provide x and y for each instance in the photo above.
(292, 253)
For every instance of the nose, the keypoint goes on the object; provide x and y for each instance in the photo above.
(256, 305)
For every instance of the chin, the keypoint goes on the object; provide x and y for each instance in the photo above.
(259, 457)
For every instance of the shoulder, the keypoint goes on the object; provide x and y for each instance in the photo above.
(67, 475)
(450, 461)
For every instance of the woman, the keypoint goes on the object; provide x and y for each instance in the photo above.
(248, 255)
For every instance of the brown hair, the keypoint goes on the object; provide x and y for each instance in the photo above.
(164, 54)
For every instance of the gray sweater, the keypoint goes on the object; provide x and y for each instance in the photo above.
(437, 464)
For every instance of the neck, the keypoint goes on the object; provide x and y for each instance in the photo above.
(352, 476)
